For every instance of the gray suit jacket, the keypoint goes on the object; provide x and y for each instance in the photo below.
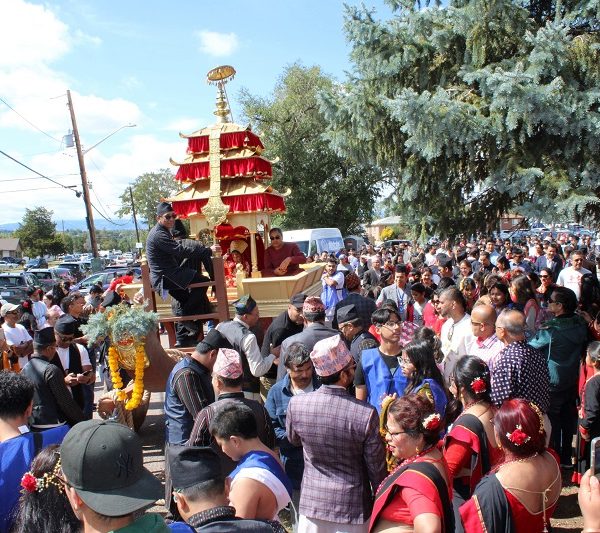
(344, 457)
(309, 336)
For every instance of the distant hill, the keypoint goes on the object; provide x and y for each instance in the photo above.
(100, 223)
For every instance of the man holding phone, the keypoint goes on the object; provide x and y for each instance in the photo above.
(74, 361)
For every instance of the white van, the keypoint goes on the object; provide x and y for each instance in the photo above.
(313, 241)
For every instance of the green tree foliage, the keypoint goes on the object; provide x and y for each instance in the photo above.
(37, 233)
(148, 190)
(476, 108)
(327, 190)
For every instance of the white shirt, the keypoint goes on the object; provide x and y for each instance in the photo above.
(15, 337)
(571, 279)
(487, 350)
(453, 336)
(418, 312)
(258, 364)
(39, 312)
(63, 354)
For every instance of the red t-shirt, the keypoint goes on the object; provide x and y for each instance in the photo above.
(123, 279)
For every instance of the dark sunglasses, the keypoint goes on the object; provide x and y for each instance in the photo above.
(275, 238)
(170, 217)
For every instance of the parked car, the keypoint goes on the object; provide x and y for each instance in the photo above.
(7, 265)
(15, 260)
(394, 242)
(13, 286)
(38, 262)
(104, 278)
(78, 270)
(48, 277)
(115, 268)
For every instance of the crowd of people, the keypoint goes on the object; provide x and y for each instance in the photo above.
(435, 389)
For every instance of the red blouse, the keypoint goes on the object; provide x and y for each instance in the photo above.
(459, 447)
(418, 497)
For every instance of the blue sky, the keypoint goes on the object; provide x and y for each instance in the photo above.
(142, 63)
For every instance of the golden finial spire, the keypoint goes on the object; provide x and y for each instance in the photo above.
(219, 76)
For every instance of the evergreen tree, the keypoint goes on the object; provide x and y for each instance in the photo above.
(326, 189)
(475, 109)
(37, 233)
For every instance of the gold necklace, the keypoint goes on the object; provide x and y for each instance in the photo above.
(521, 460)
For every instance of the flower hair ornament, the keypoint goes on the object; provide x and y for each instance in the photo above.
(432, 422)
(30, 483)
(518, 437)
(478, 385)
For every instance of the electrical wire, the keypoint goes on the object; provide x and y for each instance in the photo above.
(26, 179)
(29, 122)
(97, 198)
(107, 219)
(39, 173)
(29, 190)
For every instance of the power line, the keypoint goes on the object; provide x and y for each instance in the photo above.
(26, 179)
(29, 190)
(70, 188)
(107, 219)
(29, 122)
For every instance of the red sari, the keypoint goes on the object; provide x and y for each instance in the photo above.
(467, 447)
(494, 508)
(411, 490)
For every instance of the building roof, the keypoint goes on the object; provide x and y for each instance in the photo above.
(9, 244)
(387, 221)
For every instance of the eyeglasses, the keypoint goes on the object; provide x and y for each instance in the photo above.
(170, 217)
(275, 238)
(544, 276)
(391, 324)
(393, 434)
(65, 338)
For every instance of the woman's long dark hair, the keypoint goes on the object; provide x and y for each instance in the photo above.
(422, 357)
(590, 294)
(47, 509)
(467, 370)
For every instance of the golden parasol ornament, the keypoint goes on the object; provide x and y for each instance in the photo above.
(215, 210)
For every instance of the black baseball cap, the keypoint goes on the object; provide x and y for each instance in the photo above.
(347, 313)
(191, 465)
(104, 462)
(298, 300)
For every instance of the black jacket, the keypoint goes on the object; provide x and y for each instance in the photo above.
(165, 256)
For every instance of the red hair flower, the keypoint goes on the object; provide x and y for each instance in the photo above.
(518, 437)
(29, 482)
(478, 385)
(432, 422)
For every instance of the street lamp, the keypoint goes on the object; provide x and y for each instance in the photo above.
(86, 191)
(109, 135)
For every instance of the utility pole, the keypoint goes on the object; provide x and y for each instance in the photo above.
(86, 191)
(137, 233)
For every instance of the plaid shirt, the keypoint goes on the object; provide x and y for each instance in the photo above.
(344, 459)
(486, 349)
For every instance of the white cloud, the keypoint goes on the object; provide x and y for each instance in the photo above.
(30, 34)
(84, 38)
(108, 174)
(130, 82)
(217, 44)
